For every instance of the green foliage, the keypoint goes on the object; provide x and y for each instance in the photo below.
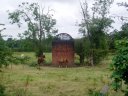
(94, 92)
(50, 81)
(80, 50)
(98, 55)
(23, 59)
(5, 54)
(33, 64)
(40, 24)
(39, 52)
(123, 33)
(98, 38)
(117, 35)
(111, 39)
(2, 90)
(119, 65)
(94, 27)
(26, 44)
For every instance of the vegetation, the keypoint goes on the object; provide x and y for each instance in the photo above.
(97, 47)
(93, 27)
(40, 25)
(120, 66)
(120, 63)
(55, 81)
(80, 50)
(5, 53)
(2, 90)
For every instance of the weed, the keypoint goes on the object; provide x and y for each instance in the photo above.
(21, 92)
(28, 79)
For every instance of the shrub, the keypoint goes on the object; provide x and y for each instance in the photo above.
(2, 90)
(119, 66)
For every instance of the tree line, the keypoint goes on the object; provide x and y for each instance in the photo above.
(94, 45)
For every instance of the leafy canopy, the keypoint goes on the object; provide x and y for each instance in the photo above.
(119, 65)
(94, 27)
(40, 24)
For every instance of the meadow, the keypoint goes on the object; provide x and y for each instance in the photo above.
(24, 80)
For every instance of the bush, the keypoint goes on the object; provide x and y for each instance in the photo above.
(93, 92)
(98, 55)
(80, 50)
(5, 54)
(39, 52)
(33, 64)
(2, 90)
(119, 66)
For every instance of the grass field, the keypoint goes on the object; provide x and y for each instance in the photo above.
(53, 81)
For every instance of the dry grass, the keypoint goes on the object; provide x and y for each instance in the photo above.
(52, 81)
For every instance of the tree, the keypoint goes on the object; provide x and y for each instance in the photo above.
(117, 35)
(125, 4)
(111, 39)
(124, 31)
(40, 25)
(94, 27)
(119, 66)
(80, 50)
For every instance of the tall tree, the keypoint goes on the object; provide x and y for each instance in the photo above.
(94, 26)
(117, 35)
(40, 24)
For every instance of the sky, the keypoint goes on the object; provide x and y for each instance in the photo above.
(66, 12)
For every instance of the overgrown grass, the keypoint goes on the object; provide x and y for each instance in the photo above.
(53, 81)
(33, 58)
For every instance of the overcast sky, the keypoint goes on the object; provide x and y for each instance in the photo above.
(67, 13)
